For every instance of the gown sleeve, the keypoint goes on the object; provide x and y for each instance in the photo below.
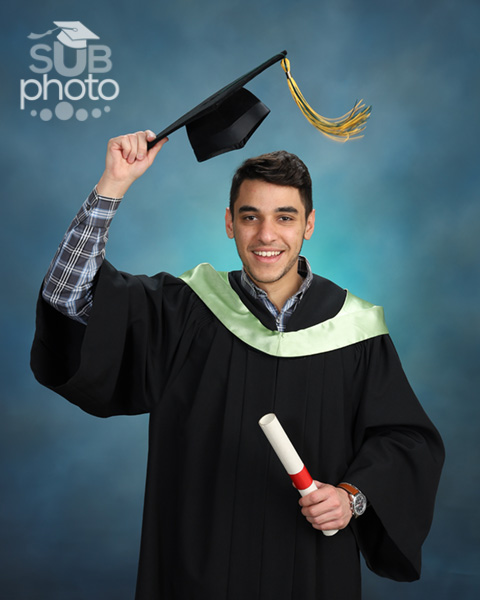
(398, 459)
(120, 362)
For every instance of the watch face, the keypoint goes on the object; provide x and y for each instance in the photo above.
(359, 504)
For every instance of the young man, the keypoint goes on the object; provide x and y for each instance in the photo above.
(207, 355)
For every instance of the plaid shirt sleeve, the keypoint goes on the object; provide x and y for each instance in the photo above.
(69, 280)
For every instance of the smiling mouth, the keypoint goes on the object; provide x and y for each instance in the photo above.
(268, 253)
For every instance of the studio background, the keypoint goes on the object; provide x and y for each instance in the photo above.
(398, 223)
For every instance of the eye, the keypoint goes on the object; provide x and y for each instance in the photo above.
(285, 218)
(249, 218)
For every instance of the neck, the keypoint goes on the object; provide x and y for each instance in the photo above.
(280, 291)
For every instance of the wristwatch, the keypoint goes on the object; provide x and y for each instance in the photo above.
(358, 501)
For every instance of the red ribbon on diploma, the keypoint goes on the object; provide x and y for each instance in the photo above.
(302, 480)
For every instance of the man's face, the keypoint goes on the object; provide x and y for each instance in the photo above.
(269, 226)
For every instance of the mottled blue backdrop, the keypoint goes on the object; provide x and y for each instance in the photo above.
(398, 223)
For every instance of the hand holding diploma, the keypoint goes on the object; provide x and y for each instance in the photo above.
(328, 506)
(322, 504)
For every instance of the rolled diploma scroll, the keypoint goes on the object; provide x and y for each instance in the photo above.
(289, 457)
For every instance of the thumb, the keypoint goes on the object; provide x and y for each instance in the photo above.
(154, 150)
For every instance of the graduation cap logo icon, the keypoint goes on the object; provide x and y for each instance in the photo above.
(72, 34)
(226, 120)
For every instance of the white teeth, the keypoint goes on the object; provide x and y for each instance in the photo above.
(267, 253)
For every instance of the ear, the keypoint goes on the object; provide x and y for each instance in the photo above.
(229, 224)
(310, 225)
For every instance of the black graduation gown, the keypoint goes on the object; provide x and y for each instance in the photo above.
(221, 518)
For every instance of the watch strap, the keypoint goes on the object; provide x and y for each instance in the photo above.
(348, 487)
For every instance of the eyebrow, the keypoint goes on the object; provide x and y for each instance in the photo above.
(280, 209)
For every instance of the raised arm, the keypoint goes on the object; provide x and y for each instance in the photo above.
(69, 280)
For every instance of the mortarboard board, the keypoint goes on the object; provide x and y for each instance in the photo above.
(226, 120)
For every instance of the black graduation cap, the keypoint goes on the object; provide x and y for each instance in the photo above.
(226, 120)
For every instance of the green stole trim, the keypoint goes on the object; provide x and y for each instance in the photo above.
(357, 320)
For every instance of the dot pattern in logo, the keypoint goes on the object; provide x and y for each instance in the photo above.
(65, 111)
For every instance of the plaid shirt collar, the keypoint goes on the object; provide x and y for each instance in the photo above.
(282, 316)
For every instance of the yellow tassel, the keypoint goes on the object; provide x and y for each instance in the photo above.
(348, 127)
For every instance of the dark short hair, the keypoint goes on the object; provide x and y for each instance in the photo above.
(279, 168)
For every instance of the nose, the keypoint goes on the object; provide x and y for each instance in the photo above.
(266, 232)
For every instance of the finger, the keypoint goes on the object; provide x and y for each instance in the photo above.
(150, 135)
(328, 521)
(129, 144)
(142, 137)
(324, 501)
(322, 509)
(120, 144)
(318, 495)
(154, 150)
(318, 510)
(330, 526)
(331, 523)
